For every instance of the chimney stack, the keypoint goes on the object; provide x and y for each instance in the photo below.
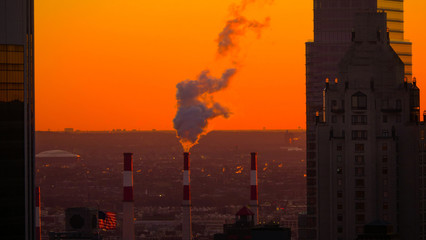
(186, 203)
(128, 203)
(254, 202)
(37, 213)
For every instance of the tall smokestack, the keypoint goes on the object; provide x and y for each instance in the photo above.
(186, 203)
(37, 213)
(128, 203)
(254, 202)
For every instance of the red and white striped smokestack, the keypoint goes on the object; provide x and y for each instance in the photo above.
(254, 202)
(186, 203)
(37, 214)
(128, 203)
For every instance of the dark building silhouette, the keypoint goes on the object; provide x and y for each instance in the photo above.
(333, 34)
(245, 228)
(17, 118)
(367, 155)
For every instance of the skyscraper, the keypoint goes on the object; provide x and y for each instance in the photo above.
(333, 31)
(367, 155)
(17, 118)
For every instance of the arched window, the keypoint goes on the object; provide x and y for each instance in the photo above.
(359, 101)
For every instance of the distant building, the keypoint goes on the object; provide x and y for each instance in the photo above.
(17, 118)
(244, 228)
(366, 161)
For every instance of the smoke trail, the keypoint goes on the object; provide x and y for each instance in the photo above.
(196, 106)
(237, 27)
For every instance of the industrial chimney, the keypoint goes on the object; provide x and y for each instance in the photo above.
(128, 203)
(254, 202)
(186, 203)
(37, 213)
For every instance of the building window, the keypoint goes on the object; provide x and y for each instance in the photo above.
(359, 119)
(359, 171)
(339, 148)
(385, 182)
(359, 147)
(385, 118)
(384, 147)
(340, 229)
(359, 101)
(333, 118)
(360, 218)
(339, 170)
(359, 194)
(359, 182)
(359, 159)
(360, 206)
(398, 104)
(339, 182)
(359, 135)
(385, 158)
(385, 217)
(359, 230)
(339, 217)
(339, 194)
(385, 205)
(339, 206)
(385, 170)
(385, 194)
(385, 133)
(333, 104)
(339, 158)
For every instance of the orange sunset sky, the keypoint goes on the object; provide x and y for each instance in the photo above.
(108, 64)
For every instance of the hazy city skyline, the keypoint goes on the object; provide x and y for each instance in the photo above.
(132, 85)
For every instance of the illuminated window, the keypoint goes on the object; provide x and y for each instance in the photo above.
(11, 73)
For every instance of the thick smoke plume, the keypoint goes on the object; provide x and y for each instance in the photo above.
(194, 97)
(196, 106)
